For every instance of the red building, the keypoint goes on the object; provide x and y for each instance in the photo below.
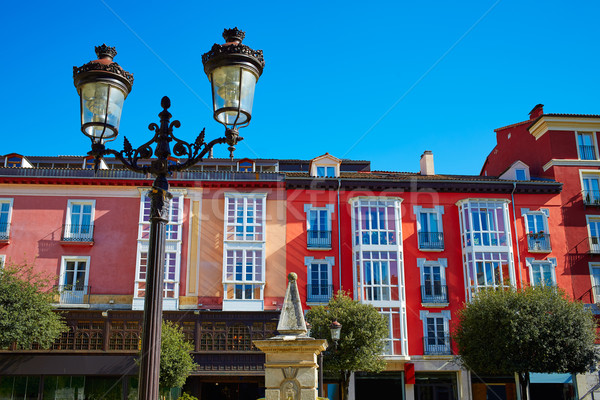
(414, 245)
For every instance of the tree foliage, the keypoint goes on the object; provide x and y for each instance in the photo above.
(535, 329)
(361, 344)
(26, 312)
(176, 362)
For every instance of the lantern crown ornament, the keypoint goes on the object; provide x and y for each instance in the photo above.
(102, 86)
(233, 70)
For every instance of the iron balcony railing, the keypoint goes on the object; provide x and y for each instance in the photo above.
(78, 233)
(74, 293)
(587, 152)
(431, 240)
(435, 293)
(4, 231)
(318, 293)
(538, 242)
(591, 197)
(437, 345)
(595, 245)
(320, 239)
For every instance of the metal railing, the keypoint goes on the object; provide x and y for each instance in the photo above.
(78, 233)
(74, 293)
(591, 197)
(318, 293)
(431, 240)
(437, 345)
(4, 231)
(320, 239)
(434, 294)
(538, 242)
(587, 152)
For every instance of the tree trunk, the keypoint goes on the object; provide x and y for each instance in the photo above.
(524, 385)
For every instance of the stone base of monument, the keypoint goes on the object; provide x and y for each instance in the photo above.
(291, 367)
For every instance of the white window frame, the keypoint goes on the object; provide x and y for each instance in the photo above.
(242, 242)
(309, 262)
(545, 214)
(8, 201)
(595, 292)
(386, 307)
(2, 260)
(594, 247)
(438, 211)
(74, 295)
(443, 264)
(172, 245)
(592, 134)
(594, 196)
(531, 263)
(79, 236)
(329, 208)
(445, 314)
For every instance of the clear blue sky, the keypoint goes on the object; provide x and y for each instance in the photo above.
(375, 80)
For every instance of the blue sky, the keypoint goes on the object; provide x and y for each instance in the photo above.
(381, 81)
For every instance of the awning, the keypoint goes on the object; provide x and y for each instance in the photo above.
(550, 378)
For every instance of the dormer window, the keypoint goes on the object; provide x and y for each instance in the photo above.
(16, 161)
(520, 174)
(88, 163)
(246, 165)
(325, 166)
(518, 171)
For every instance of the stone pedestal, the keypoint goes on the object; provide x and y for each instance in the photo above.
(291, 366)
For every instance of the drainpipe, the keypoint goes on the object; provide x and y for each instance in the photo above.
(339, 217)
(512, 196)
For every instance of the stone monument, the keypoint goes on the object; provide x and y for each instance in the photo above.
(291, 357)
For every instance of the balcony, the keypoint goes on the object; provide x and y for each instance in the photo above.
(74, 294)
(434, 294)
(318, 239)
(437, 345)
(4, 231)
(78, 233)
(539, 242)
(591, 198)
(431, 240)
(318, 293)
(587, 152)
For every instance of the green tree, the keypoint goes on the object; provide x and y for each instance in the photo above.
(535, 329)
(26, 312)
(176, 362)
(361, 344)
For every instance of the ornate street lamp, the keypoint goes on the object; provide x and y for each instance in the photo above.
(335, 330)
(233, 69)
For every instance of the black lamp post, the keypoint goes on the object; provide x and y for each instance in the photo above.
(335, 330)
(233, 70)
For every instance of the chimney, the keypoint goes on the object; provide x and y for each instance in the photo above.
(537, 111)
(427, 163)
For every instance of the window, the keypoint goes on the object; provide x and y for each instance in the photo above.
(378, 269)
(5, 218)
(14, 161)
(79, 224)
(433, 281)
(593, 224)
(436, 333)
(429, 227)
(520, 174)
(244, 252)
(536, 226)
(586, 145)
(319, 286)
(595, 276)
(542, 272)
(2, 260)
(246, 165)
(487, 248)
(326, 172)
(172, 251)
(318, 226)
(591, 189)
(73, 283)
